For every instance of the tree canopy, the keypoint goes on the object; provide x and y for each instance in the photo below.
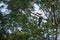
(17, 22)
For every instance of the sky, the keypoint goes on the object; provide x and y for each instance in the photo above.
(37, 9)
(3, 8)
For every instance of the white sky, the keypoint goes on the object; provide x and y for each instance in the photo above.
(4, 9)
(37, 9)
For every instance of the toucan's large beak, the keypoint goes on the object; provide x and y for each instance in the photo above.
(39, 13)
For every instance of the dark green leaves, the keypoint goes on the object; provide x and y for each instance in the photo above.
(17, 4)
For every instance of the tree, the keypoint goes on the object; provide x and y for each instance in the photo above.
(20, 16)
(52, 7)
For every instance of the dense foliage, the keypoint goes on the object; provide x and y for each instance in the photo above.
(18, 25)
